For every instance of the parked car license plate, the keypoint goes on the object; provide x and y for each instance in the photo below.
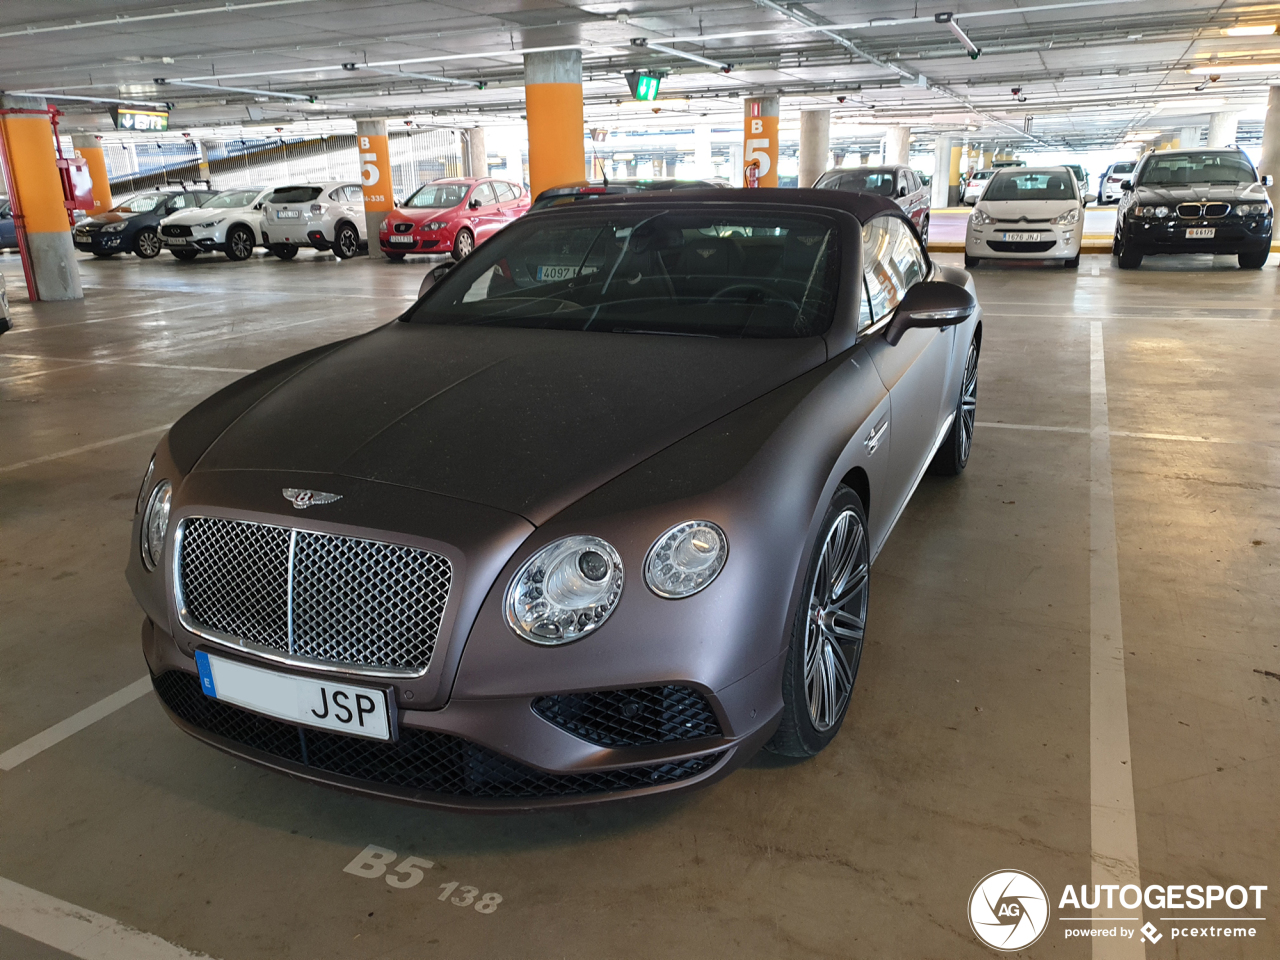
(341, 707)
(176, 241)
(1021, 237)
(288, 214)
(401, 239)
(1200, 233)
(557, 273)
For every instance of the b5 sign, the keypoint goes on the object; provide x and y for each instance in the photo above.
(375, 172)
(760, 142)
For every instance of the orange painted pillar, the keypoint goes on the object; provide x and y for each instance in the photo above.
(553, 110)
(26, 142)
(89, 146)
(760, 138)
(375, 179)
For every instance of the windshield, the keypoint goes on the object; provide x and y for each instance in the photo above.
(437, 195)
(232, 198)
(880, 182)
(1034, 185)
(619, 270)
(141, 203)
(294, 195)
(1198, 168)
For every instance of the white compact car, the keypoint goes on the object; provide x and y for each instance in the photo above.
(977, 183)
(229, 222)
(1109, 185)
(1028, 213)
(327, 216)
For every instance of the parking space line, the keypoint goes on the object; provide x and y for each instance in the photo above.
(74, 724)
(121, 363)
(1113, 820)
(1172, 437)
(77, 931)
(84, 449)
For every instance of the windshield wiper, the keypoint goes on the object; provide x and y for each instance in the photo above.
(663, 333)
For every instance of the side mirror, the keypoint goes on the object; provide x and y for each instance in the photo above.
(1090, 197)
(933, 303)
(474, 204)
(902, 191)
(6, 214)
(258, 205)
(1126, 185)
(1268, 180)
(434, 276)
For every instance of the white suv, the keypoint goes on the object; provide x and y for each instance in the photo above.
(327, 216)
(229, 222)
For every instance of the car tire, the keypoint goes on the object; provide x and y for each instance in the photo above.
(1072, 263)
(393, 257)
(285, 251)
(1127, 254)
(924, 234)
(971, 262)
(828, 632)
(185, 254)
(1253, 260)
(463, 243)
(147, 244)
(953, 456)
(346, 241)
(239, 245)
(103, 256)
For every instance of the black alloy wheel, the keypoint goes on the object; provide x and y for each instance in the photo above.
(346, 242)
(239, 243)
(953, 456)
(147, 243)
(827, 636)
(285, 251)
(463, 243)
(185, 254)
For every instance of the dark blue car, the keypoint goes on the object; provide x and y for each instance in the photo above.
(8, 230)
(133, 226)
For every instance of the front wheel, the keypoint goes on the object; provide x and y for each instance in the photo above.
(285, 251)
(185, 254)
(394, 257)
(953, 455)
(1072, 263)
(826, 638)
(971, 262)
(463, 243)
(239, 243)
(346, 242)
(147, 244)
(1126, 253)
(1253, 260)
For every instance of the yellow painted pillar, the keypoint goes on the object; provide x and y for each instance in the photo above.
(49, 259)
(89, 146)
(953, 178)
(553, 110)
(987, 157)
(760, 139)
(375, 179)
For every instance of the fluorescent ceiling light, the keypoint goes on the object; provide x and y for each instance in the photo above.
(1220, 68)
(1190, 106)
(1256, 31)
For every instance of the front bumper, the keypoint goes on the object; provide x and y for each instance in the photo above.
(1169, 235)
(100, 242)
(1054, 242)
(202, 240)
(436, 241)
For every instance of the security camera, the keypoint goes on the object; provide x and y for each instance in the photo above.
(841, 99)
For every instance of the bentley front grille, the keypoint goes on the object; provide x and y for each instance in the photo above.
(323, 597)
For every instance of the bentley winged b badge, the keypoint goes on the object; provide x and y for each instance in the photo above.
(301, 499)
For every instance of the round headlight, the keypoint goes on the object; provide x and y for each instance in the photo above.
(565, 590)
(155, 524)
(685, 559)
(1162, 211)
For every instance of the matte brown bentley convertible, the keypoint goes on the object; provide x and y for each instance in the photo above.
(593, 519)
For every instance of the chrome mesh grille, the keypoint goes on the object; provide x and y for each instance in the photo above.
(344, 599)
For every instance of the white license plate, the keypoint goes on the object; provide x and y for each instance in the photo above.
(1200, 233)
(557, 273)
(1022, 237)
(341, 707)
(288, 214)
(176, 241)
(401, 239)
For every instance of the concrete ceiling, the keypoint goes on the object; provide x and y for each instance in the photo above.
(1091, 73)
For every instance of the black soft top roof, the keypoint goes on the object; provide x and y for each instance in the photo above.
(864, 206)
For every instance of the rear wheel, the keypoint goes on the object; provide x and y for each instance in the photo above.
(971, 261)
(346, 242)
(953, 455)
(185, 254)
(239, 243)
(826, 639)
(285, 251)
(463, 243)
(147, 244)
(1253, 260)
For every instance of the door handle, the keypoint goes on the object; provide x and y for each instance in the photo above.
(876, 436)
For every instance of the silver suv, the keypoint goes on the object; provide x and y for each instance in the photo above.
(327, 216)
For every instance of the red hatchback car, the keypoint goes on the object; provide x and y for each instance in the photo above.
(451, 216)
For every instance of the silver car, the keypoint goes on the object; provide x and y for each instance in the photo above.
(230, 223)
(326, 216)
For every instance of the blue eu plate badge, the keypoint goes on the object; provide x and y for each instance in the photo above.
(206, 674)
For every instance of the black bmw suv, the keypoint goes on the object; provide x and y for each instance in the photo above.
(1194, 201)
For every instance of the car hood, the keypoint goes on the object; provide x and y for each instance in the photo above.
(102, 219)
(1181, 192)
(1030, 210)
(527, 421)
(201, 215)
(425, 214)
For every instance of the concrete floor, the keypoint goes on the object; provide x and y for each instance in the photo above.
(967, 748)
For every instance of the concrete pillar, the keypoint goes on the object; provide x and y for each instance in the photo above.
(760, 137)
(203, 161)
(553, 110)
(815, 144)
(941, 172)
(1222, 128)
(375, 178)
(1270, 162)
(953, 178)
(897, 145)
(35, 193)
(1189, 138)
(88, 146)
(475, 158)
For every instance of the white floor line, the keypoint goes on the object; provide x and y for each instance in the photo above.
(1031, 426)
(77, 931)
(84, 449)
(1113, 821)
(44, 373)
(1172, 437)
(73, 724)
(121, 363)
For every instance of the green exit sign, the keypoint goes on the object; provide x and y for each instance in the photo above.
(643, 86)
